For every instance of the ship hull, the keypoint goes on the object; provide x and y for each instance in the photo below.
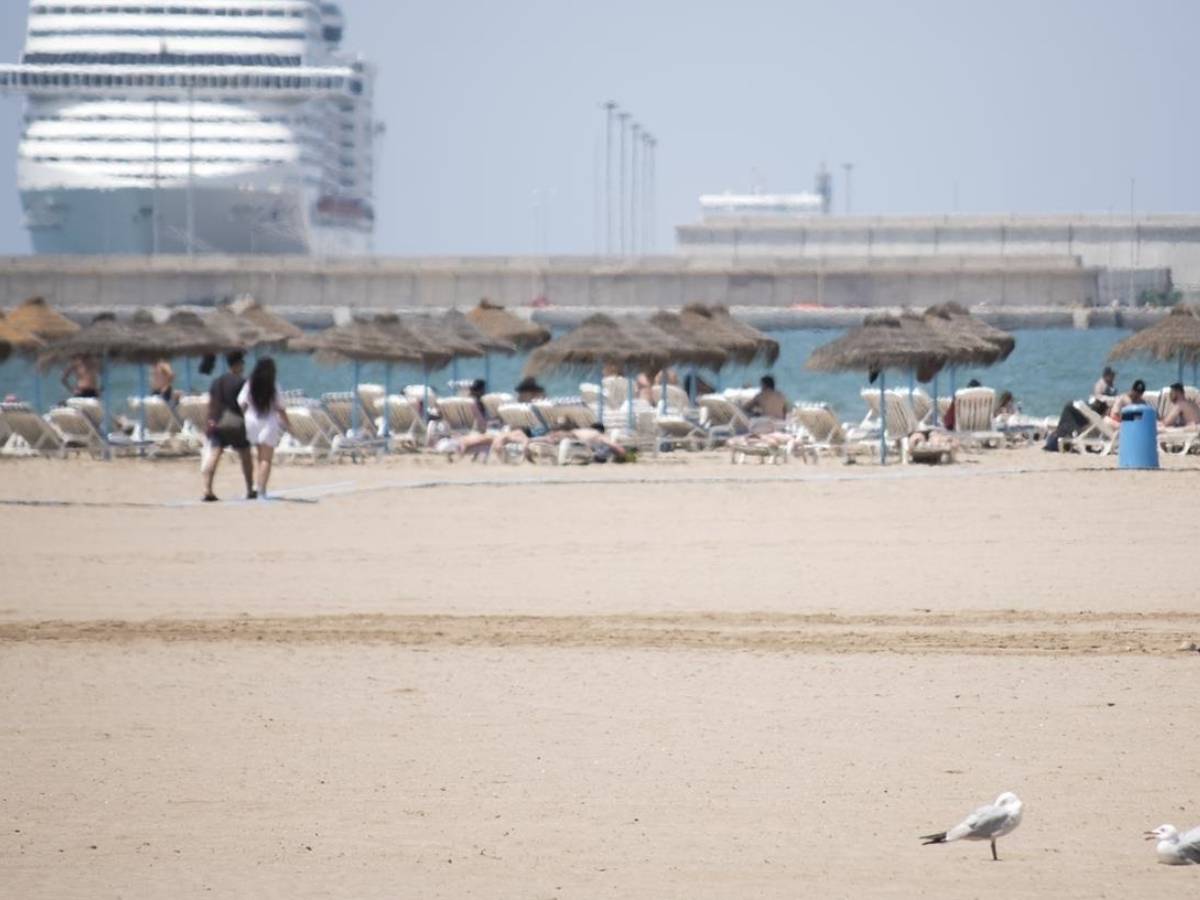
(145, 221)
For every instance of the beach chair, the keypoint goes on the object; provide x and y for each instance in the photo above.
(589, 392)
(459, 414)
(339, 405)
(677, 398)
(309, 436)
(675, 431)
(77, 429)
(616, 390)
(974, 410)
(369, 395)
(1099, 435)
(520, 416)
(901, 421)
(492, 403)
(405, 429)
(871, 399)
(721, 417)
(192, 410)
(825, 433)
(922, 404)
(23, 432)
(570, 411)
(161, 421)
(1180, 441)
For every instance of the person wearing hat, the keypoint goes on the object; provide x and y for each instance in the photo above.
(1136, 394)
(529, 390)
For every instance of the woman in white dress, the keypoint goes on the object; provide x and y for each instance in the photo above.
(266, 418)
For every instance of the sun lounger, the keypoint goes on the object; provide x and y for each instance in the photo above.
(570, 411)
(192, 410)
(405, 430)
(309, 436)
(161, 421)
(721, 417)
(1098, 436)
(1181, 441)
(677, 398)
(974, 410)
(492, 403)
(459, 414)
(23, 432)
(340, 405)
(675, 431)
(521, 417)
(616, 390)
(77, 429)
(922, 404)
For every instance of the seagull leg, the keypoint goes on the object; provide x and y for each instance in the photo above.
(994, 856)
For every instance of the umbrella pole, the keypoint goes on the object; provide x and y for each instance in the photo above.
(629, 398)
(104, 426)
(692, 388)
(37, 390)
(935, 399)
(142, 402)
(187, 374)
(354, 400)
(425, 402)
(882, 422)
(1180, 378)
(387, 393)
(663, 391)
(600, 399)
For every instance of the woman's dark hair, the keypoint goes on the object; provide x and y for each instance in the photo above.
(262, 385)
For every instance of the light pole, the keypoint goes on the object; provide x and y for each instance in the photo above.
(648, 192)
(849, 167)
(633, 188)
(623, 117)
(609, 108)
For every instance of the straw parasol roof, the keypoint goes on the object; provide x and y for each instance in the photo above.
(437, 334)
(736, 345)
(1174, 336)
(738, 334)
(249, 308)
(497, 322)
(241, 332)
(457, 323)
(694, 346)
(107, 338)
(957, 319)
(384, 339)
(597, 340)
(15, 340)
(37, 317)
(886, 341)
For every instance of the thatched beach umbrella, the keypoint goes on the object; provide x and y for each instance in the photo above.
(384, 339)
(766, 348)
(601, 339)
(38, 318)
(273, 323)
(457, 323)
(704, 344)
(15, 339)
(885, 341)
(497, 322)
(1175, 336)
(108, 340)
(957, 319)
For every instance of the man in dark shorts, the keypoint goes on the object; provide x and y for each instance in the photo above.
(226, 427)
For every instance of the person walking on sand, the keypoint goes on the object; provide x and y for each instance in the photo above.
(226, 426)
(266, 418)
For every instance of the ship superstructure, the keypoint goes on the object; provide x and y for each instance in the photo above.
(222, 126)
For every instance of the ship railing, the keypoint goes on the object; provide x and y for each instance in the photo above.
(261, 81)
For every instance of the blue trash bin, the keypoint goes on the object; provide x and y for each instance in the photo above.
(1139, 437)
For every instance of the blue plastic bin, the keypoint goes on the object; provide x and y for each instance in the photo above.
(1139, 438)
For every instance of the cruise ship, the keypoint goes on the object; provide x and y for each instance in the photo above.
(182, 126)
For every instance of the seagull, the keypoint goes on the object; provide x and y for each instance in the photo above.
(1175, 849)
(991, 821)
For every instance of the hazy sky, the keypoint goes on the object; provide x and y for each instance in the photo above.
(1029, 105)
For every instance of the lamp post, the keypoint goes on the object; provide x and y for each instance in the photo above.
(648, 192)
(623, 117)
(609, 108)
(849, 168)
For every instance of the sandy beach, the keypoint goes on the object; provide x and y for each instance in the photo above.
(671, 679)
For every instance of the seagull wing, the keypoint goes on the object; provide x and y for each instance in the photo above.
(986, 822)
(1189, 846)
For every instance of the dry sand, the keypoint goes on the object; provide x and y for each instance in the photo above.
(662, 680)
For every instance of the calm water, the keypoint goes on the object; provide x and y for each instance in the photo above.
(1048, 368)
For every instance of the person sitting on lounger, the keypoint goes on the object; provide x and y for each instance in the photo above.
(1136, 394)
(768, 401)
(528, 389)
(82, 377)
(1182, 411)
(162, 380)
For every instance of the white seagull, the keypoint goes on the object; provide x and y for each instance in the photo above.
(1175, 849)
(987, 823)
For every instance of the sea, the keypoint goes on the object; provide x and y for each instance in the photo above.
(1048, 368)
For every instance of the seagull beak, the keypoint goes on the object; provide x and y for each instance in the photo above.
(1150, 835)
